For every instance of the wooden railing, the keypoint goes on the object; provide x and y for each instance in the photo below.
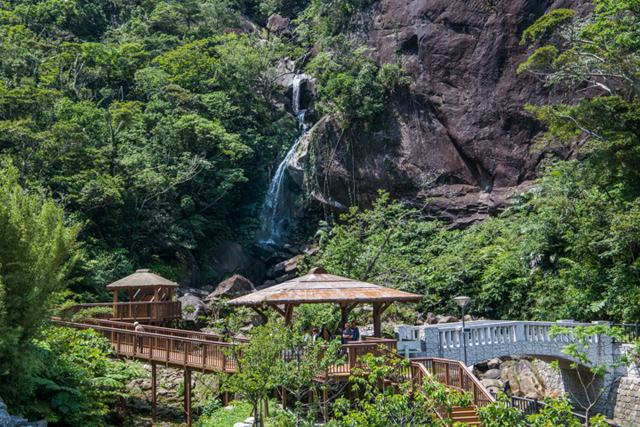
(200, 354)
(453, 374)
(134, 311)
(180, 333)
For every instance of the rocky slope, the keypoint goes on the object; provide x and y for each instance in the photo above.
(460, 134)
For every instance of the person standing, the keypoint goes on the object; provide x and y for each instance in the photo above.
(316, 334)
(347, 335)
(326, 335)
(355, 330)
(140, 341)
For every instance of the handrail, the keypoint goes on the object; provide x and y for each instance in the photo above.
(157, 311)
(459, 380)
(159, 329)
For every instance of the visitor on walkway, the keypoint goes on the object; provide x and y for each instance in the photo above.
(316, 334)
(338, 334)
(355, 330)
(225, 334)
(326, 335)
(305, 334)
(347, 334)
(139, 342)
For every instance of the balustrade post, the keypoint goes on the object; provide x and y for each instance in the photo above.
(446, 374)
(204, 356)
(169, 348)
(185, 354)
(520, 335)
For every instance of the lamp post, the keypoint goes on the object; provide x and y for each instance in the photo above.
(462, 302)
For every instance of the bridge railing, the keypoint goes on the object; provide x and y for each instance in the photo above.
(490, 333)
(453, 374)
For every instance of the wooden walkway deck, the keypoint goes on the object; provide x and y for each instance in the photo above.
(198, 351)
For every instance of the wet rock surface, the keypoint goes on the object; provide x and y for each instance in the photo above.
(460, 135)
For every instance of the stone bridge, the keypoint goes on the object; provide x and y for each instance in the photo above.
(489, 339)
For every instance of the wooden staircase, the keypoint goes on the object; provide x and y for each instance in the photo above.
(465, 415)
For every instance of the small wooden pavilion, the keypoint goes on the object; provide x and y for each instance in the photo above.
(319, 287)
(144, 286)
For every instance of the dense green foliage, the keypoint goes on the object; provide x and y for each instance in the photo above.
(78, 383)
(152, 124)
(37, 254)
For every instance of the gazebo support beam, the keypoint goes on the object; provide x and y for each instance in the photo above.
(345, 309)
(261, 313)
(378, 309)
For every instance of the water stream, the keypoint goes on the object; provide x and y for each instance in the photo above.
(275, 214)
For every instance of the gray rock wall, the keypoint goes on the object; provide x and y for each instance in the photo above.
(626, 405)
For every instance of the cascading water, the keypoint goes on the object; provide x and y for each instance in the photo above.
(276, 213)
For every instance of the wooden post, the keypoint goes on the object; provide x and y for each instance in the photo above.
(344, 314)
(325, 398)
(130, 295)
(115, 301)
(377, 323)
(284, 397)
(187, 395)
(154, 393)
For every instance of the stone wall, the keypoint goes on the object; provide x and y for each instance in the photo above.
(624, 403)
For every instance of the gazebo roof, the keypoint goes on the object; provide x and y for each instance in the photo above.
(142, 279)
(320, 287)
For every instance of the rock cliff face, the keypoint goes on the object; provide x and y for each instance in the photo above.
(460, 134)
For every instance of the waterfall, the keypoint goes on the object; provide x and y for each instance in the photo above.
(276, 213)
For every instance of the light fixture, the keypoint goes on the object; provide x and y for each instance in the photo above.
(462, 302)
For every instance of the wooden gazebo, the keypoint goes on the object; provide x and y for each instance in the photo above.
(319, 287)
(143, 285)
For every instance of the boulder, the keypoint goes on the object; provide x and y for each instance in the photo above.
(431, 319)
(494, 363)
(278, 24)
(523, 379)
(287, 266)
(448, 319)
(298, 161)
(309, 249)
(269, 283)
(234, 287)
(468, 318)
(492, 374)
(494, 386)
(231, 258)
(192, 307)
(5, 418)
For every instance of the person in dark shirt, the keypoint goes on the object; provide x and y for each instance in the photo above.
(338, 334)
(225, 334)
(347, 335)
(355, 330)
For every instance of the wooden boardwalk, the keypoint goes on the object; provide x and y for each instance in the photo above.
(203, 352)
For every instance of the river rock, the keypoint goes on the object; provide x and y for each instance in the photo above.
(234, 287)
(299, 159)
(523, 379)
(431, 319)
(192, 307)
(492, 374)
(5, 418)
(494, 363)
(287, 266)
